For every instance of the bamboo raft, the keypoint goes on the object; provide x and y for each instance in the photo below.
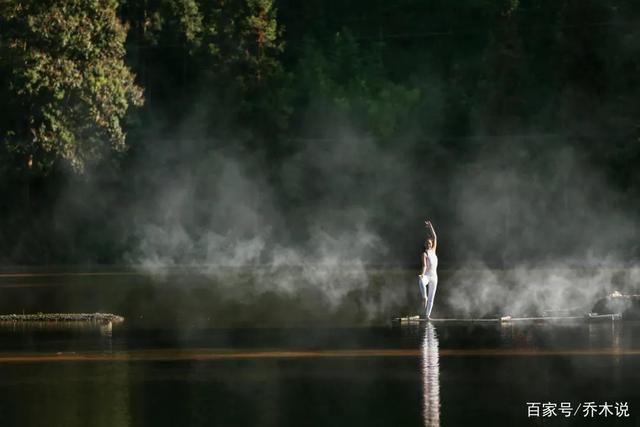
(101, 318)
(590, 317)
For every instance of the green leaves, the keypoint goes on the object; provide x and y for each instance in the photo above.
(68, 83)
(348, 81)
(244, 41)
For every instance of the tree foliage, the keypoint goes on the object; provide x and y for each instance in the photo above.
(435, 85)
(67, 87)
(347, 82)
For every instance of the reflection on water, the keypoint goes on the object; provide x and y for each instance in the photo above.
(67, 394)
(431, 377)
(106, 329)
(288, 377)
(606, 334)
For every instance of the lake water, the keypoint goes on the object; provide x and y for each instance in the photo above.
(183, 369)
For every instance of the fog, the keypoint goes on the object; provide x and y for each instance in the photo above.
(525, 225)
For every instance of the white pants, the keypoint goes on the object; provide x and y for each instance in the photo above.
(428, 287)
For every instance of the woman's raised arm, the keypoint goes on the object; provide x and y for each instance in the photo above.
(433, 233)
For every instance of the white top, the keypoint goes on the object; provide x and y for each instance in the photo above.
(432, 264)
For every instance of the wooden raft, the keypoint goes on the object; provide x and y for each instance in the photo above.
(590, 317)
(62, 317)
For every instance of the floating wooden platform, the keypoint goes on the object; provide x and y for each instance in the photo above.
(63, 317)
(508, 319)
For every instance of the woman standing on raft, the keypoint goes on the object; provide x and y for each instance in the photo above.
(428, 279)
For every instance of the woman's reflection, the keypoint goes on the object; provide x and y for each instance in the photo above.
(431, 377)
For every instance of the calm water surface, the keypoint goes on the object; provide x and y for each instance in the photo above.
(443, 375)
(150, 373)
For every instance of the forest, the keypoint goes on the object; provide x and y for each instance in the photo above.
(238, 132)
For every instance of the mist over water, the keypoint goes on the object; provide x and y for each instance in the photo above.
(308, 225)
(563, 234)
(312, 192)
(339, 206)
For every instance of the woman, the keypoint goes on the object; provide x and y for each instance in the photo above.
(428, 279)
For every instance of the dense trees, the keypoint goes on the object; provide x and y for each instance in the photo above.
(439, 87)
(66, 87)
